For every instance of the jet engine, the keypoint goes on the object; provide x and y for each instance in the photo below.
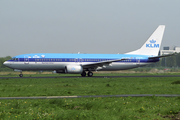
(74, 69)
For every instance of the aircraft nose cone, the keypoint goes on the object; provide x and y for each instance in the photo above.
(6, 63)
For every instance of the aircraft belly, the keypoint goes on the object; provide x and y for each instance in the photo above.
(49, 65)
(46, 66)
(61, 65)
(120, 66)
(37, 66)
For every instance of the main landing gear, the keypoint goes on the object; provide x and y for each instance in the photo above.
(83, 74)
(90, 74)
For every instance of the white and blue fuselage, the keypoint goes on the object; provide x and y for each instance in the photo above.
(80, 63)
(44, 61)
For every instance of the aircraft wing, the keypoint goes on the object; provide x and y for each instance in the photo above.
(101, 63)
(161, 56)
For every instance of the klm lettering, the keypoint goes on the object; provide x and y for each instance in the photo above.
(152, 45)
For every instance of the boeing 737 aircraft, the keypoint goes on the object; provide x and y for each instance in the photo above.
(82, 63)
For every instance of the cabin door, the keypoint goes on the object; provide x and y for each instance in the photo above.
(137, 61)
(26, 60)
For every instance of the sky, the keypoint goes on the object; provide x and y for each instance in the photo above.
(85, 26)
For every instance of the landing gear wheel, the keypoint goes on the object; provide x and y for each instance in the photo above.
(20, 75)
(83, 74)
(90, 74)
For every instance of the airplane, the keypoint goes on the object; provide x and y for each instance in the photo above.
(84, 64)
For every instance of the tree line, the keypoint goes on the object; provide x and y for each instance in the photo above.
(2, 60)
(167, 62)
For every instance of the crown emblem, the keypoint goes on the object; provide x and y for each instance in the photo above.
(36, 56)
(73, 69)
(43, 56)
(152, 41)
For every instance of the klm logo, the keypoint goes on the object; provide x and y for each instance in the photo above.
(152, 44)
(73, 69)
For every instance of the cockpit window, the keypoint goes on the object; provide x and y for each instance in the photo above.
(15, 59)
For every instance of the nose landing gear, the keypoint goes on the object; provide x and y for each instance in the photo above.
(21, 75)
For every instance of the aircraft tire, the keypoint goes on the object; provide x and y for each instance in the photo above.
(90, 74)
(83, 74)
(20, 75)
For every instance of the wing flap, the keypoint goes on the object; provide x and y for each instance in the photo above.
(102, 63)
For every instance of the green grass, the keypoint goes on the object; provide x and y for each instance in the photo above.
(87, 86)
(126, 108)
(14, 74)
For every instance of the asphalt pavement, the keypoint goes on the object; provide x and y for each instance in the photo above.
(93, 96)
(91, 77)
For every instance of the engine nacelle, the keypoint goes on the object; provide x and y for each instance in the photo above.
(74, 69)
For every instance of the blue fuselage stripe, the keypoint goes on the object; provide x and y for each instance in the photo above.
(78, 60)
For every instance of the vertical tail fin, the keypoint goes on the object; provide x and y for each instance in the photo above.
(153, 44)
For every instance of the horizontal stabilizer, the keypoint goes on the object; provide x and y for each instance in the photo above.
(161, 56)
